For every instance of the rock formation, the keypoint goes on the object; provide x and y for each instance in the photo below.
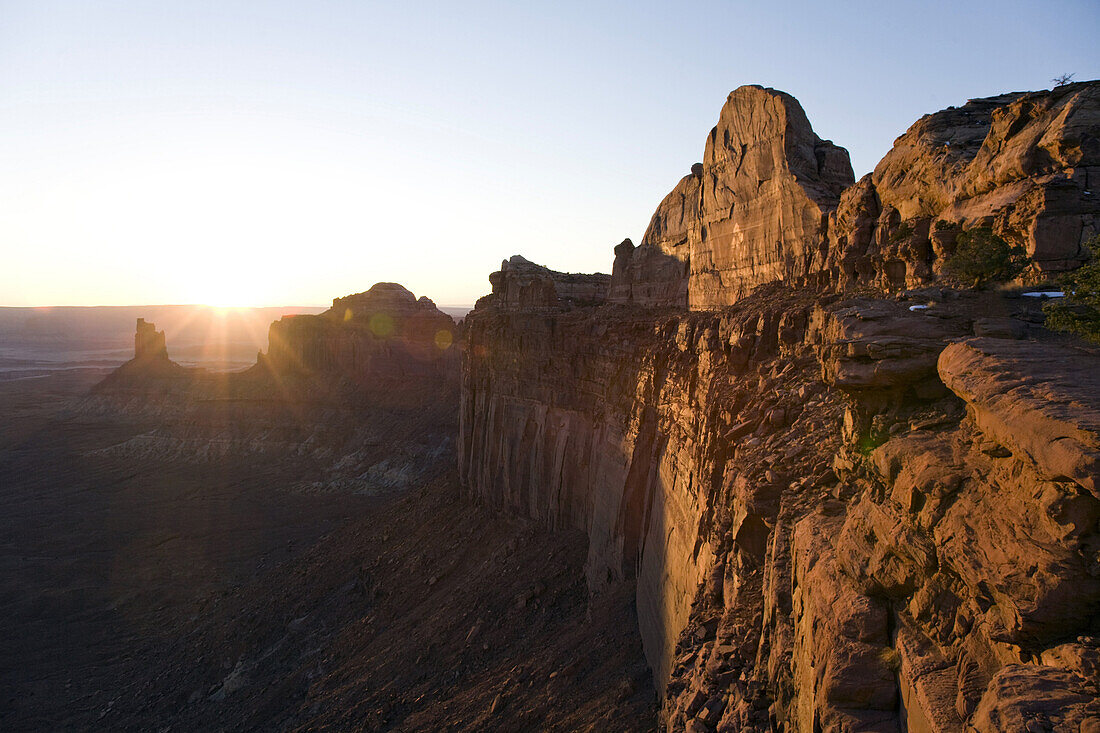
(150, 363)
(521, 283)
(837, 512)
(753, 212)
(367, 390)
(771, 202)
(1023, 163)
(377, 339)
(149, 343)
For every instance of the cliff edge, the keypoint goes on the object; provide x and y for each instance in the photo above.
(845, 496)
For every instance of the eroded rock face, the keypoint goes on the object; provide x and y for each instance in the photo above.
(771, 202)
(1024, 163)
(839, 514)
(753, 212)
(521, 284)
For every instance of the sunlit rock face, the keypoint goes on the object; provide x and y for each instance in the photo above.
(1030, 175)
(753, 212)
(837, 516)
(839, 513)
(772, 202)
(373, 339)
(1024, 164)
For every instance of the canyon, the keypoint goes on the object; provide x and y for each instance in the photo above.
(777, 471)
(849, 495)
(287, 548)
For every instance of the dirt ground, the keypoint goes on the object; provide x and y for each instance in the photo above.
(179, 595)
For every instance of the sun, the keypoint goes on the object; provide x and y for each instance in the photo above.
(221, 293)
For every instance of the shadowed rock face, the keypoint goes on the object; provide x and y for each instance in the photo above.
(771, 202)
(384, 336)
(149, 343)
(521, 283)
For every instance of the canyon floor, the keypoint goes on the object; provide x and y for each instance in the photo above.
(160, 593)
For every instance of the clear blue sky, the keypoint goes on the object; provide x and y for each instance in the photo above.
(278, 153)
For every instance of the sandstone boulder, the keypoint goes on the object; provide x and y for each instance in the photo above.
(1038, 400)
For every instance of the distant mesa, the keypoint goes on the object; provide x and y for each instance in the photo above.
(390, 298)
(383, 335)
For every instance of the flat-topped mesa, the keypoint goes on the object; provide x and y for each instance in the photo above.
(754, 211)
(149, 343)
(369, 338)
(521, 284)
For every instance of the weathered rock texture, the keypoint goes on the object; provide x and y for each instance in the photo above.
(771, 202)
(753, 212)
(839, 513)
(521, 283)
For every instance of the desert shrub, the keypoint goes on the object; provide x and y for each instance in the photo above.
(904, 230)
(982, 257)
(1079, 311)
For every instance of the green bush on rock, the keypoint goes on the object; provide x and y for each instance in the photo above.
(1079, 311)
(982, 257)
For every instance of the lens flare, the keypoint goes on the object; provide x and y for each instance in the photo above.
(381, 325)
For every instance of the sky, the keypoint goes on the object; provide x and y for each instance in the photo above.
(279, 153)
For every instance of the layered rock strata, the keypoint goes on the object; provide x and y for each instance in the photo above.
(753, 212)
(771, 202)
(838, 515)
(521, 283)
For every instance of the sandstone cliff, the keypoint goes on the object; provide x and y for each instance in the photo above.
(834, 519)
(837, 513)
(771, 202)
(753, 212)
